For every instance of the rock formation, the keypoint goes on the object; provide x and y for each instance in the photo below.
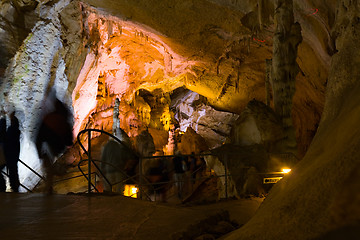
(287, 37)
(306, 204)
(213, 52)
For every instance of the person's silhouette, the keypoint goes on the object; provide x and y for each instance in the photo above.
(12, 152)
(2, 156)
(54, 135)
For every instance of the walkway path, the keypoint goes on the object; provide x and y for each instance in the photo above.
(37, 216)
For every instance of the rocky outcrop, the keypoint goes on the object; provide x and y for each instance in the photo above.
(191, 142)
(191, 111)
(245, 165)
(257, 124)
(17, 19)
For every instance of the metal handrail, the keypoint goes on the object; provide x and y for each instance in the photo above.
(141, 177)
(73, 177)
(20, 183)
(91, 161)
(32, 170)
(101, 131)
(111, 184)
(172, 181)
(36, 173)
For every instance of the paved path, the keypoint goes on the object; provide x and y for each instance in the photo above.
(37, 216)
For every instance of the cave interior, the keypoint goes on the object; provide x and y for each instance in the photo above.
(251, 87)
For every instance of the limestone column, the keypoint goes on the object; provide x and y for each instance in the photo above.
(169, 148)
(287, 37)
(116, 121)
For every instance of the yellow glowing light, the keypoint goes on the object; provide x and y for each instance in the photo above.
(130, 191)
(286, 170)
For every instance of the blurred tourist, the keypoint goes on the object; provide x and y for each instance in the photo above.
(180, 167)
(54, 135)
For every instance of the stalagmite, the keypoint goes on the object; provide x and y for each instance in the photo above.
(287, 37)
(116, 121)
(169, 149)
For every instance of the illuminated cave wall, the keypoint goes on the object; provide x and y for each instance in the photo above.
(38, 63)
(91, 56)
(123, 58)
(89, 59)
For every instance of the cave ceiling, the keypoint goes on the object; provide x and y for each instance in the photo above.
(218, 50)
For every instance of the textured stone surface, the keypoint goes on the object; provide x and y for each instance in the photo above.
(216, 49)
(37, 65)
(257, 124)
(304, 203)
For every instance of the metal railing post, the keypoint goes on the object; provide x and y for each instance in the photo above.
(140, 177)
(89, 162)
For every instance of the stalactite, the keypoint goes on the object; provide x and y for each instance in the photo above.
(287, 37)
(120, 29)
(101, 87)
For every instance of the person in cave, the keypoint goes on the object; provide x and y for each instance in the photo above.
(2, 156)
(12, 151)
(180, 167)
(196, 167)
(157, 175)
(54, 135)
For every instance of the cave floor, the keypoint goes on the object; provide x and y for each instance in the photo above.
(40, 216)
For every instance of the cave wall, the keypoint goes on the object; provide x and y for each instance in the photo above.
(217, 49)
(319, 195)
(231, 41)
(17, 20)
(214, 48)
(39, 69)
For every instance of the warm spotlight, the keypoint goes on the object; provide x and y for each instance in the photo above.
(286, 170)
(130, 191)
